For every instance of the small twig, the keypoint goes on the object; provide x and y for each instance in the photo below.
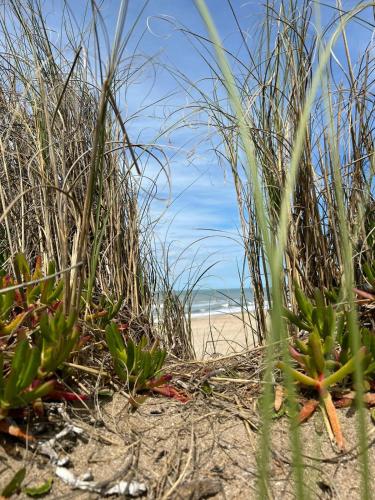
(246, 422)
(235, 380)
(183, 473)
(87, 369)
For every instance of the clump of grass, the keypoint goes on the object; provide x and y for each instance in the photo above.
(70, 177)
(274, 78)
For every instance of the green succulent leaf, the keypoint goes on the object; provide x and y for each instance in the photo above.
(333, 296)
(329, 344)
(55, 294)
(37, 491)
(59, 335)
(316, 351)
(345, 370)
(370, 370)
(368, 339)
(21, 268)
(301, 346)
(310, 366)
(6, 304)
(298, 376)
(293, 318)
(340, 327)
(28, 397)
(32, 294)
(47, 286)
(115, 308)
(303, 302)
(319, 299)
(317, 317)
(132, 356)
(329, 322)
(369, 271)
(115, 342)
(332, 365)
(30, 368)
(160, 359)
(15, 483)
(11, 385)
(147, 369)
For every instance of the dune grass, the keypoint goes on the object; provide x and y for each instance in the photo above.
(70, 177)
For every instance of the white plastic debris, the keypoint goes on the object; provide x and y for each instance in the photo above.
(47, 447)
(132, 488)
(87, 476)
(47, 450)
(66, 475)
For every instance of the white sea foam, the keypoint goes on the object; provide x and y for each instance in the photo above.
(228, 309)
(216, 302)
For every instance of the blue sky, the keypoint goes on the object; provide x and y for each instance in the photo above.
(200, 223)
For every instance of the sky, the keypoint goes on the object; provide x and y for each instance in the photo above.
(199, 224)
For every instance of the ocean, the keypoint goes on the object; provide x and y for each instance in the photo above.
(219, 301)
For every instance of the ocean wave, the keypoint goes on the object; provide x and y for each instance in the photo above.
(229, 309)
(208, 303)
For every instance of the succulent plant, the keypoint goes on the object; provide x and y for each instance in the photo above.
(20, 305)
(136, 364)
(37, 338)
(56, 336)
(102, 313)
(16, 381)
(325, 358)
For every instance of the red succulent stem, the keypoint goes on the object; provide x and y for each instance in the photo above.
(157, 382)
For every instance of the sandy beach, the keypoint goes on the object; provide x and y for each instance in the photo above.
(220, 334)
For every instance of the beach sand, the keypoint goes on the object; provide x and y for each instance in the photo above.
(221, 334)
